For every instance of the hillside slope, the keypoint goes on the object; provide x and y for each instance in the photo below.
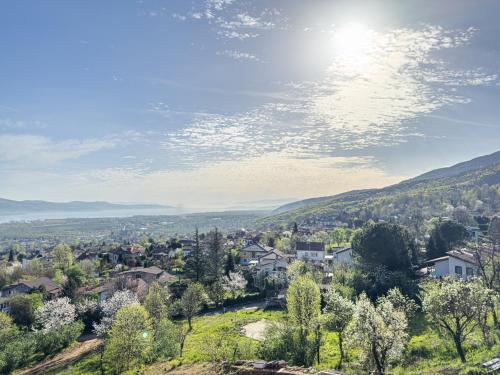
(478, 190)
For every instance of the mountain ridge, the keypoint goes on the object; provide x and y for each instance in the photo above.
(453, 170)
(11, 207)
(473, 181)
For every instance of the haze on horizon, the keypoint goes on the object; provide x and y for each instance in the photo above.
(212, 103)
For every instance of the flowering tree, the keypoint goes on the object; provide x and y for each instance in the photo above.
(55, 314)
(234, 284)
(110, 307)
(304, 308)
(380, 332)
(457, 307)
(337, 314)
(130, 338)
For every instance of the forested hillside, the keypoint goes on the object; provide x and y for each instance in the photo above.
(475, 192)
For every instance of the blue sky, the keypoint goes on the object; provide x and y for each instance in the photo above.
(214, 103)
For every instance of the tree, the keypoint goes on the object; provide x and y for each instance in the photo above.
(400, 302)
(12, 255)
(337, 314)
(192, 301)
(215, 261)
(453, 305)
(63, 257)
(157, 302)
(229, 266)
(216, 292)
(444, 236)
(234, 284)
(487, 257)
(23, 306)
(110, 307)
(55, 314)
(303, 306)
(195, 262)
(86, 310)
(296, 269)
(7, 328)
(166, 340)
(75, 279)
(384, 244)
(130, 339)
(379, 331)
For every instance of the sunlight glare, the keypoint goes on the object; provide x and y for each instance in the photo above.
(353, 43)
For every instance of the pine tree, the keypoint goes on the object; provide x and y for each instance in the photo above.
(229, 267)
(215, 261)
(195, 263)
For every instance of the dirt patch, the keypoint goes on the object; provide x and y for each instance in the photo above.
(255, 330)
(64, 358)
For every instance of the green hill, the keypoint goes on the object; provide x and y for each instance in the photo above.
(474, 185)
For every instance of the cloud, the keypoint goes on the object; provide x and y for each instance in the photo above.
(368, 96)
(35, 150)
(239, 56)
(223, 184)
(9, 124)
(233, 19)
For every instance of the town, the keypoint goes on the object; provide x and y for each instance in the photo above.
(75, 290)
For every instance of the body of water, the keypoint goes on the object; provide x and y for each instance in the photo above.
(88, 214)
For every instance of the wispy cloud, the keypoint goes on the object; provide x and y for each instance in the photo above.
(369, 100)
(35, 150)
(239, 56)
(10, 124)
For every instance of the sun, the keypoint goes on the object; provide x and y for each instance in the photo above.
(352, 39)
(354, 46)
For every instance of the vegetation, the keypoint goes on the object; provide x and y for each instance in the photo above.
(477, 190)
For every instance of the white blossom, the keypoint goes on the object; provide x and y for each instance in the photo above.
(110, 307)
(379, 331)
(55, 314)
(234, 283)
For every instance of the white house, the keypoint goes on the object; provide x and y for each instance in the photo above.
(253, 252)
(274, 262)
(310, 251)
(456, 263)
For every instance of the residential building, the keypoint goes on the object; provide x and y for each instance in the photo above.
(310, 251)
(42, 284)
(253, 252)
(456, 263)
(148, 274)
(272, 263)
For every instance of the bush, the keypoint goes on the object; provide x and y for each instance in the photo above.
(166, 340)
(17, 352)
(58, 339)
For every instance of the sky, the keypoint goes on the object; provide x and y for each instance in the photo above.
(212, 104)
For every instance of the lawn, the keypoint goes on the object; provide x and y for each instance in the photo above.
(427, 352)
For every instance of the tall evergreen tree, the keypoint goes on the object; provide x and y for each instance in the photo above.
(229, 267)
(215, 262)
(195, 263)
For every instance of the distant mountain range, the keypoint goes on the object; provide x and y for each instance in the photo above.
(12, 207)
(432, 193)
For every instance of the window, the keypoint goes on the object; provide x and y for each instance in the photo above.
(314, 255)
(253, 254)
(458, 270)
(469, 271)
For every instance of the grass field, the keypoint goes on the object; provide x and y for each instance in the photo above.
(427, 352)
